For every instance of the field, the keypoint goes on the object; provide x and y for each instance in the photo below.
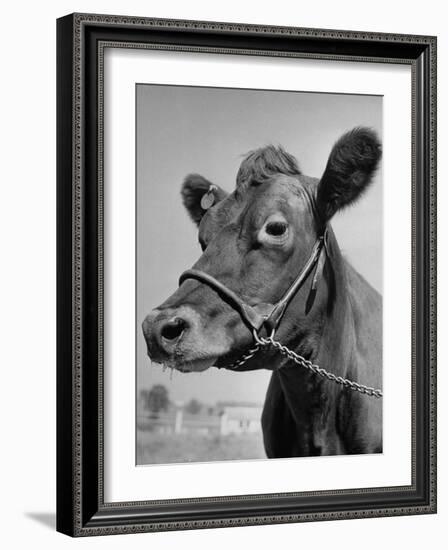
(157, 448)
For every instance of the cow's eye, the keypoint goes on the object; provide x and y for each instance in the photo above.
(276, 229)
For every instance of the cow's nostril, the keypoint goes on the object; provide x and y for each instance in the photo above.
(173, 329)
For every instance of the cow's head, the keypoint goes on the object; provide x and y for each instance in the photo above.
(255, 241)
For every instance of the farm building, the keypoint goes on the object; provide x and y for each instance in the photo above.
(223, 419)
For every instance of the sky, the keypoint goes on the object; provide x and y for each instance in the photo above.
(181, 130)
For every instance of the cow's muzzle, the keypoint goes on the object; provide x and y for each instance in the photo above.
(175, 337)
(163, 331)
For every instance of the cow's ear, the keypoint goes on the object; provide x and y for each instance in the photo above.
(350, 168)
(194, 189)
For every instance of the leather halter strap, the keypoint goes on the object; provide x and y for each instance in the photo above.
(268, 315)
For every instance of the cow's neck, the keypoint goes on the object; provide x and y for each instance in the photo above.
(325, 337)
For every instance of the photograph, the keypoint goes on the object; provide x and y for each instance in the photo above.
(221, 252)
(259, 274)
(246, 274)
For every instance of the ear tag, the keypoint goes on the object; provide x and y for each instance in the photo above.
(208, 199)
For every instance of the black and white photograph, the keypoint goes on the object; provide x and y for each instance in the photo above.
(246, 276)
(259, 274)
(222, 240)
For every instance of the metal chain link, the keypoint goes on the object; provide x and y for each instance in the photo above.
(269, 342)
(244, 358)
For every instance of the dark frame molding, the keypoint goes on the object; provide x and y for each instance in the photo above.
(81, 39)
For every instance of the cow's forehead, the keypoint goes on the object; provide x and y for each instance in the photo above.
(282, 193)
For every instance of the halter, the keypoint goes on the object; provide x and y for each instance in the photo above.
(269, 316)
(263, 315)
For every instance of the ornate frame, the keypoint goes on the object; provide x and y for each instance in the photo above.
(81, 39)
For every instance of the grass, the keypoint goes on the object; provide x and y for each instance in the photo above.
(156, 448)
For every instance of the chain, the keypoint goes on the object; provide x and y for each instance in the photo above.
(269, 342)
(244, 358)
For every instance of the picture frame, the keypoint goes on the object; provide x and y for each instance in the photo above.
(81, 506)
